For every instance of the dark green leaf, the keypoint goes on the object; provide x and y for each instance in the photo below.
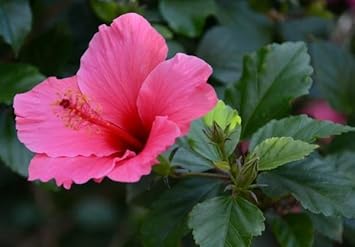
(50, 51)
(277, 151)
(316, 183)
(271, 78)
(306, 29)
(349, 231)
(174, 47)
(15, 22)
(239, 16)
(107, 10)
(246, 32)
(299, 128)
(186, 17)
(321, 241)
(331, 226)
(12, 152)
(166, 224)
(229, 47)
(292, 230)
(334, 75)
(190, 161)
(198, 142)
(226, 221)
(17, 78)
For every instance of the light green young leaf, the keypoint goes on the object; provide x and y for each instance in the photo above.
(187, 17)
(277, 151)
(224, 116)
(17, 78)
(292, 230)
(226, 221)
(15, 22)
(166, 223)
(318, 184)
(300, 128)
(272, 77)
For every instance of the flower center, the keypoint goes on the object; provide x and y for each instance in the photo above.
(78, 113)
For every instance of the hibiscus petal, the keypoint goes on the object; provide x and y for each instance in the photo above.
(177, 88)
(162, 135)
(45, 126)
(115, 65)
(65, 170)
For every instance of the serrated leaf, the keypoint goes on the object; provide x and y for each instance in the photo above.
(292, 230)
(15, 22)
(334, 75)
(299, 128)
(316, 183)
(186, 17)
(330, 227)
(271, 78)
(226, 221)
(277, 151)
(166, 224)
(17, 78)
(12, 152)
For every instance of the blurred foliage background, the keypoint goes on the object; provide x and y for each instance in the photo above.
(40, 38)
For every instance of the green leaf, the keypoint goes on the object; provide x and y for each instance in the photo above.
(107, 10)
(166, 224)
(197, 142)
(174, 47)
(15, 22)
(164, 31)
(190, 161)
(316, 183)
(239, 16)
(331, 226)
(247, 32)
(334, 75)
(17, 78)
(292, 230)
(349, 231)
(277, 151)
(186, 17)
(226, 221)
(344, 162)
(299, 128)
(12, 152)
(39, 51)
(272, 77)
(306, 28)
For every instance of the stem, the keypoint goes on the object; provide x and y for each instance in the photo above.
(200, 174)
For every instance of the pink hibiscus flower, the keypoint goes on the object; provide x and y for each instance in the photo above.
(125, 106)
(321, 110)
